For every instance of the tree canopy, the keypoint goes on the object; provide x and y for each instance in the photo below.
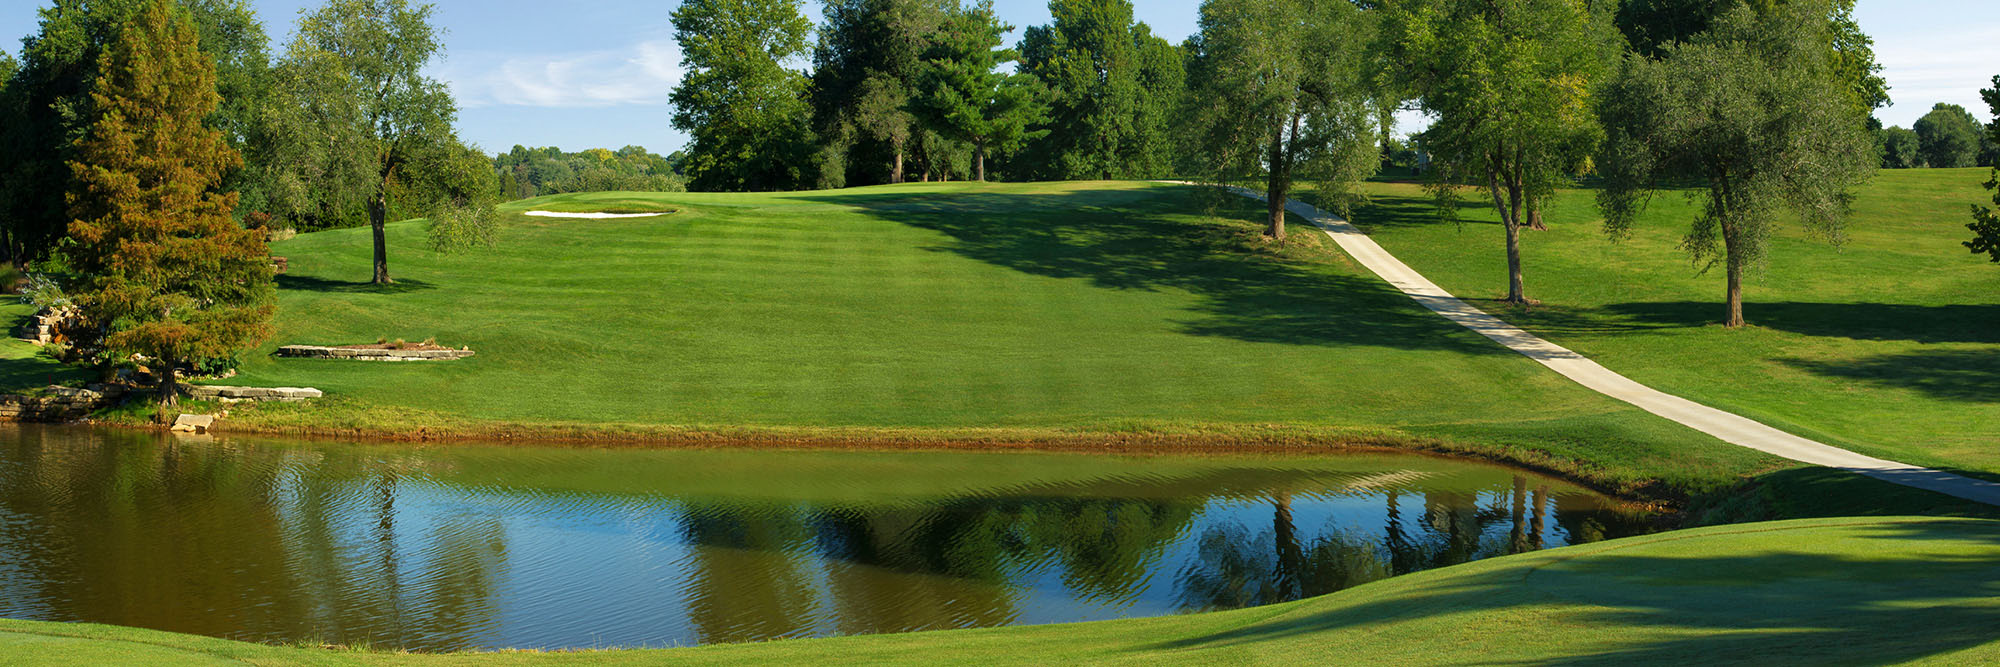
(1752, 111)
(168, 273)
(747, 111)
(1985, 222)
(1949, 137)
(1901, 148)
(1280, 93)
(962, 95)
(1113, 87)
(1510, 84)
(865, 71)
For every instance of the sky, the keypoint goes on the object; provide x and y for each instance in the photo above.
(596, 73)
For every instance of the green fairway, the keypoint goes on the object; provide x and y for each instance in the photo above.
(1873, 591)
(1889, 345)
(989, 309)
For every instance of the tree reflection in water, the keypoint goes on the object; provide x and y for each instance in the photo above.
(457, 548)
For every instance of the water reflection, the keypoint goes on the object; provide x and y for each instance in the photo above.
(468, 547)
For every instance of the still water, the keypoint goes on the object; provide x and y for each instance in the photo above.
(438, 548)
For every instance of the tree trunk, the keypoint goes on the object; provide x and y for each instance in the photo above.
(1279, 188)
(1734, 263)
(170, 381)
(378, 213)
(981, 153)
(1535, 218)
(896, 174)
(1510, 219)
(1291, 553)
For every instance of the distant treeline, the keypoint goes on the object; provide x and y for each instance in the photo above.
(1948, 137)
(532, 172)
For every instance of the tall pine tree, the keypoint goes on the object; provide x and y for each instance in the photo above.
(168, 274)
(965, 99)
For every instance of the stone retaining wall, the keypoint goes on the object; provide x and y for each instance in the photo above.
(60, 404)
(44, 327)
(352, 354)
(245, 394)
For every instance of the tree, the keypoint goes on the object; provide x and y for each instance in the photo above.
(1112, 86)
(358, 116)
(1652, 25)
(1280, 90)
(1900, 148)
(1949, 137)
(1985, 223)
(1509, 83)
(1752, 111)
(169, 274)
(47, 105)
(865, 70)
(746, 111)
(965, 99)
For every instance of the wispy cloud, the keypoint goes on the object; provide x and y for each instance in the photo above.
(640, 74)
(1924, 69)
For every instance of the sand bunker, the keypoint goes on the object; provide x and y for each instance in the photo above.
(593, 216)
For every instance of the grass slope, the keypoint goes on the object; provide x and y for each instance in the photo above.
(979, 309)
(1889, 345)
(1841, 591)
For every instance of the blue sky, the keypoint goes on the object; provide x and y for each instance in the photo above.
(596, 73)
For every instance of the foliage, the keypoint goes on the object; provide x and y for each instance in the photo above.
(1279, 92)
(965, 99)
(1653, 25)
(1901, 148)
(44, 292)
(1985, 223)
(1510, 84)
(531, 172)
(168, 273)
(1751, 110)
(1949, 137)
(745, 109)
(361, 121)
(45, 107)
(865, 69)
(1113, 86)
(466, 219)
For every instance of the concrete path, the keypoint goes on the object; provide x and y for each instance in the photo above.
(1728, 427)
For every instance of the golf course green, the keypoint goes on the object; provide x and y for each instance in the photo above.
(1898, 590)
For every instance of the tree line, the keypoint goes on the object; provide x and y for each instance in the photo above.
(1763, 108)
(1948, 137)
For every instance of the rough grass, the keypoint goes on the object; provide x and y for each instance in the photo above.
(1818, 591)
(1888, 345)
(1096, 310)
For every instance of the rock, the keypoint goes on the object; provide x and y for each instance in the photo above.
(352, 354)
(194, 423)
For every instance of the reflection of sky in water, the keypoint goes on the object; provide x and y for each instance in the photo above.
(386, 548)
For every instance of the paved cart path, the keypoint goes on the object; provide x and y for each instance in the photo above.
(1729, 427)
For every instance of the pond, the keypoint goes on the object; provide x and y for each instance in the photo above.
(465, 547)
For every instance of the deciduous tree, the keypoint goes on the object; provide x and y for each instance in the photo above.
(359, 116)
(1948, 137)
(1754, 113)
(1900, 148)
(865, 71)
(1109, 99)
(745, 108)
(1985, 222)
(1280, 92)
(1510, 84)
(168, 273)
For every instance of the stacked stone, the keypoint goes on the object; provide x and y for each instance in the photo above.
(42, 328)
(57, 404)
(250, 394)
(359, 354)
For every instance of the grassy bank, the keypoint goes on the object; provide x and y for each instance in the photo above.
(1840, 590)
(942, 314)
(1888, 345)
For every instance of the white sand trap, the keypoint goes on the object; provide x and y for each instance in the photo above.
(593, 216)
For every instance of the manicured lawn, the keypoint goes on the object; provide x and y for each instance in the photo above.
(1818, 591)
(984, 310)
(1889, 345)
(22, 365)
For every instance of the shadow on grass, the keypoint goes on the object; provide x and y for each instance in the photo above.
(1910, 591)
(1132, 240)
(1384, 211)
(1971, 376)
(1860, 321)
(316, 284)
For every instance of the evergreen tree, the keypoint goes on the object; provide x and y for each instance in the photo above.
(746, 110)
(865, 70)
(966, 99)
(168, 273)
(1109, 113)
(1985, 222)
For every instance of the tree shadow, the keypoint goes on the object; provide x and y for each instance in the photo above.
(1971, 376)
(1898, 602)
(317, 284)
(1976, 323)
(1140, 240)
(1397, 211)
